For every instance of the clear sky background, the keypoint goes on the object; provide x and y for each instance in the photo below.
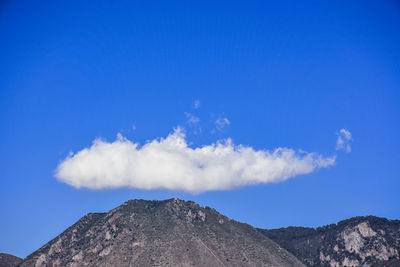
(284, 73)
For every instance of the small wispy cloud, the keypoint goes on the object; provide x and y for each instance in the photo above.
(191, 119)
(196, 104)
(344, 140)
(193, 123)
(221, 123)
(169, 163)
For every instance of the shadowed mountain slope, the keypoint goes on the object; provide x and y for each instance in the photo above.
(359, 241)
(8, 260)
(160, 233)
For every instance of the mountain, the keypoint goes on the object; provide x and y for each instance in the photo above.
(7, 260)
(181, 233)
(359, 241)
(160, 233)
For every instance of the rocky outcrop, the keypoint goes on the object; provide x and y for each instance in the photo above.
(8, 260)
(160, 233)
(359, 241)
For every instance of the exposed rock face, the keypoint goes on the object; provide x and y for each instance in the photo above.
(160, 233)
(7, 260)
(359, 241)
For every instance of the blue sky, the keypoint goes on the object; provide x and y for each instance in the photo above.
(283, 74)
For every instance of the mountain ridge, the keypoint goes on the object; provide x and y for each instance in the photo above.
(360, 240)
(182, 233)
(170, 232)
(9, 260)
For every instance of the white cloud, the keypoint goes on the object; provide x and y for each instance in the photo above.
(221, 123)
(191, 119)
(343, 140)
(169, 163)
(196, 104)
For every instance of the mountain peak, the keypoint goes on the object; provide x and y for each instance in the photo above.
(362, 240)
(175, 232)
(157, 233)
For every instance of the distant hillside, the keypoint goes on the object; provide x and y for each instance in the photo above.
(359, 241)
(160, 233)
(181, 233)
(7, 260)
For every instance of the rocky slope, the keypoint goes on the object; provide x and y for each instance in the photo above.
(160, 233)
(7, 260)
(359, 241)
